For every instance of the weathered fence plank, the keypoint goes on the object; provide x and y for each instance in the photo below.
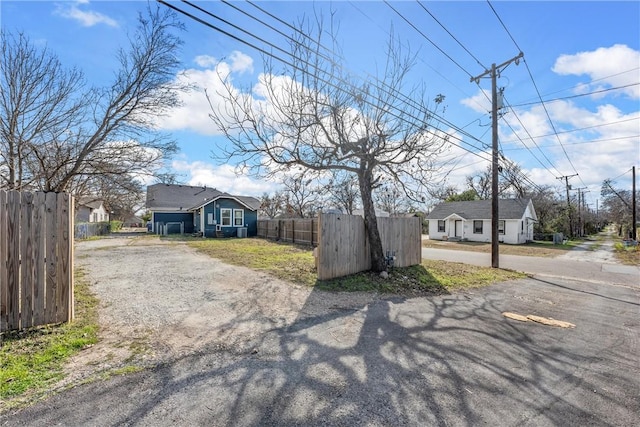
(26, 260)
(4, 280)
(50, 255)
(39, 259)
(13, 258)
(64, 242)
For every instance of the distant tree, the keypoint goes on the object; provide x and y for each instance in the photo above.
(313, 115)
(56, 133)
(465, 196)
(343, 193)
(391, 200)
(301, 195)
(617, 206)
(272, 206)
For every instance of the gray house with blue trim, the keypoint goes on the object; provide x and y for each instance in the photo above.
(188, 209)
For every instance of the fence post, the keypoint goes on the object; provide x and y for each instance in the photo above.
(4, 281)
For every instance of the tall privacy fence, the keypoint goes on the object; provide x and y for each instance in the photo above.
(342, 243)
(303, 231)
(343, 246)
(36, 259)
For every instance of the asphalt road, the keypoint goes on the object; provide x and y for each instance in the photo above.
(446, 360)
(586, 269)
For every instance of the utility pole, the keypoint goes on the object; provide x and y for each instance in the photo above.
(633, 203)
(495, 219)
(569, 216)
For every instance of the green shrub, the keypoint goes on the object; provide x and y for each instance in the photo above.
(115, 226)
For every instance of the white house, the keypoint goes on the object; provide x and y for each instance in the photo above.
(91, 209)
(472, 221)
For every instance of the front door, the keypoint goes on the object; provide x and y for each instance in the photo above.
(458, 228)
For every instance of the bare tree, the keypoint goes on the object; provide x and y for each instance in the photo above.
(391, 200)
(57, 134)
(300, 196)
(343, 192)
(313, 115)
(272, 206)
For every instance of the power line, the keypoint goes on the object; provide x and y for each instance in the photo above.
(591, 141)
(452, 36)
(574, 87)
(427, 38)
(539, 95)
(577, 95)
(272, 55)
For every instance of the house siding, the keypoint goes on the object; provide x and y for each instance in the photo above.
(163, 218)
(215, 207)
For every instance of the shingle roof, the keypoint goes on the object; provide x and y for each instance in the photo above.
(184, 197)
(91, 202)
(480, 209)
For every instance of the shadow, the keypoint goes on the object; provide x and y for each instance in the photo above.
(583, 291)
(367, 359)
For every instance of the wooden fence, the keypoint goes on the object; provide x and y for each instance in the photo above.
(36, 259)
(343, 247)
(296, 230)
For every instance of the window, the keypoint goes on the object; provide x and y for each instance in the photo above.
(501, 227)
(238, 217)
(210, 218)
(522, 226)
(225, 217)
(477, 227)
(95, 217)
(440, 226)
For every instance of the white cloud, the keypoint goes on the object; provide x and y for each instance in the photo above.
(205, 61)
(223, 178)
(241, 63)
(616, 148)
(480, 102)
(86, 18)
(606, 66)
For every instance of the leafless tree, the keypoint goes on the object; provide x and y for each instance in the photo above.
(300, 195)
(272, 206)
(57, 134)
(343, 192)
(391, 200)
(314, 115)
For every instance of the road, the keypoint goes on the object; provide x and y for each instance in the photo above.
(586, 269)
(444, 360)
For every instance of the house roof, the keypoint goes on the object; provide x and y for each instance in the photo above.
(91, 202)
(248, 202)
(185, 197)
(481, 209)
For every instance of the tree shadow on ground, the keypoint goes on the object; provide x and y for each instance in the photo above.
(373, 360)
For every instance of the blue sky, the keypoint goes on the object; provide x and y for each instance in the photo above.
(571, 48)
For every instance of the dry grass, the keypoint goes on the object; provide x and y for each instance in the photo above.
(538, 249)
(297, 265)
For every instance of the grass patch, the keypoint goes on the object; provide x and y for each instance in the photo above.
(285, 261)
(32, 360)
(429, 278)
(628, 255)
(297, 265)
(537, 248)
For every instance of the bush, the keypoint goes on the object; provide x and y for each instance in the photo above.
(115, 226)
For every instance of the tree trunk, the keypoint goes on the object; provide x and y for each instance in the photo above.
(378, 262)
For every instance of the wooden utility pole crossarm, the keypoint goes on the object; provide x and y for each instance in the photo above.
(493, 73)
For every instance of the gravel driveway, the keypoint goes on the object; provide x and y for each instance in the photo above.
(160, 300)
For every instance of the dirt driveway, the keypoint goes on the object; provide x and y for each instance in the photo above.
(161, 300)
